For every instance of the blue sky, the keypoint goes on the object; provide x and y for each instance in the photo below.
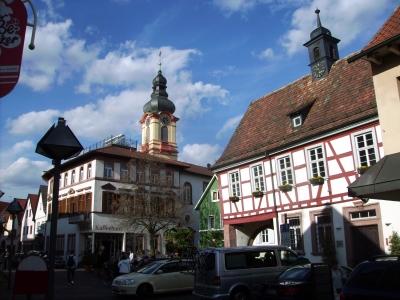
(94, 63)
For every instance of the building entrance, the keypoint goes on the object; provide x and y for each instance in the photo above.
(109, 243)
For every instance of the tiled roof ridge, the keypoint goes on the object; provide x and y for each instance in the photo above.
(376, 40)
(304, 77)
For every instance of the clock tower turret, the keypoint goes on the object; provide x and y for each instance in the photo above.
(322, 49)
(158, 122)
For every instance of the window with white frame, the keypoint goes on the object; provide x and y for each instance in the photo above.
(234, 183)
(366, 150)
(266, 236)
(323, 230)
(297, 121)
(316, 161)
(295, 235)
(211, 222)
(107, 171)
(214, 196)
(285, 170)
(258, 178)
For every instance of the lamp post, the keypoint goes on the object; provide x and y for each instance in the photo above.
(13, 209)
(58, 143)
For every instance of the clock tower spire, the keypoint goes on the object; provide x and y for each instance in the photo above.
(322, 49)
(158, 121)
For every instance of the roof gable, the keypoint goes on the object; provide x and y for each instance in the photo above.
(390, 29)
(344, 97)
(206, 191)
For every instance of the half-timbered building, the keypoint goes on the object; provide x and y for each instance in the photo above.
(285, 171)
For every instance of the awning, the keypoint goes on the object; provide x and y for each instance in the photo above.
(381, 181)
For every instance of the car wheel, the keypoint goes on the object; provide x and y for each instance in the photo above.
(145, 291)
(240, 294)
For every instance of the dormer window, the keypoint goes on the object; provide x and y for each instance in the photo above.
(297, 121)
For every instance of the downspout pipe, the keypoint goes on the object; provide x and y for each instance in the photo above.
(274, 197)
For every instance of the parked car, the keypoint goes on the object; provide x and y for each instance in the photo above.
(294, 284)
(378, 278)
(160, 276)
(235, 272)
(59, 261)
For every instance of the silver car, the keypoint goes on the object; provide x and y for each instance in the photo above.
(162, 276)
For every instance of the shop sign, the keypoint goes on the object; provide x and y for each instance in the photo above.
(13, 21)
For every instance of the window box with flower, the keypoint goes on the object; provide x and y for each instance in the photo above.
(362, 169)
(234, 198)
(317, 180)
(258, 194)
(286, 187)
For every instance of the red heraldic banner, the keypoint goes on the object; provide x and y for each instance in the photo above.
(13, 20)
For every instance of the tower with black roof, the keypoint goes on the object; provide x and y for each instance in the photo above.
(322, 50)
(158, 122)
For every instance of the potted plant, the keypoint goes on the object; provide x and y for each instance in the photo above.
(258, 194)
(317, 180)
(362, 169)
(234, 198)
(286, 187)
(88, 260)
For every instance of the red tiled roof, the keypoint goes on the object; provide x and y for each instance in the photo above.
(345, 96)
(390, 29)
(3, 206)
(132, 154)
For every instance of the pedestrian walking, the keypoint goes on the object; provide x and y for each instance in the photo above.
(70, 264)
(124, 265)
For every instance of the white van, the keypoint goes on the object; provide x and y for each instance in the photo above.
(234, 273)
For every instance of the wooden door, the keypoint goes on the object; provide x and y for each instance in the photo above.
(365, 243)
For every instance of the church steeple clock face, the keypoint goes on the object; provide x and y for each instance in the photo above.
(319, 70)
(165, 120)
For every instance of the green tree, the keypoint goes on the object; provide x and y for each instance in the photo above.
(179, 240)
(212, 238)
(394, 243)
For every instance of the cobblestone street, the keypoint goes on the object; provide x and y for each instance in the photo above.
(87, 286)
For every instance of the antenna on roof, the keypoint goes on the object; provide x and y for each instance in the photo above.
(159, 62)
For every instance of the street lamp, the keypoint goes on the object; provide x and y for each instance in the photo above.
(13, 209)
(58, 143)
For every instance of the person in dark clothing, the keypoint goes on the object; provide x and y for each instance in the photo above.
(71, 264)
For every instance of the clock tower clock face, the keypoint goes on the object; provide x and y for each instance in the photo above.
(318, 70)
(165, 120)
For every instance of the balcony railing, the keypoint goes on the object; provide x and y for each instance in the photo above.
(81, 218)
(72, 215)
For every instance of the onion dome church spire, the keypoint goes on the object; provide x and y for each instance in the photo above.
(159, 98)
(158, 121)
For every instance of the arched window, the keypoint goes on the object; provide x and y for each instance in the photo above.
(81, 174)
(107, 171)
(89, 171)
(187, 193)
(73, 177)
(316, 53)
(66, 179)
(164, 134)
(147, 134)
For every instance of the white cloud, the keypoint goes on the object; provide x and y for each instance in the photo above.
(22, 146)
(231, 6)
(23, 173)
(267, 54)
(345, 19)
(228, 126)
(32, 122)
(41, 67)
(200, 154)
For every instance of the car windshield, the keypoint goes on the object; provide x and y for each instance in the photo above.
(148, 269)
(296, 274)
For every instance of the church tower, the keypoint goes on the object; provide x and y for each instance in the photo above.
(159, 123)
(322, 49)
